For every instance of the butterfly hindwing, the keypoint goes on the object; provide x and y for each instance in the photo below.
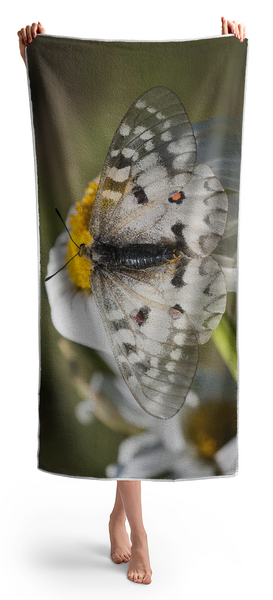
(198, 286)
(154, 344)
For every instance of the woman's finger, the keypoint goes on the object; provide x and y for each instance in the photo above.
(236, 29)
(34, 28)
(23, 35)
(22, 44)
(28, 32)
(230, 26)
(224, 26)
(40, 29)
(241, 31)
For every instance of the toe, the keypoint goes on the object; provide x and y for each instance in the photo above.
(147, 579)
(117, 558)
(125, 559)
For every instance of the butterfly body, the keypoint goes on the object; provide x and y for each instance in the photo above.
(156, 219)
(138, 256)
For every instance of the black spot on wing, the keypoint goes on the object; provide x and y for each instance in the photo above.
(177, 280)
(126, 371)
(128, 348)
(142, 367)
(121, 162)
(140, 195)
(140, 316)
(119, 324)
(182, 245)
(177, 229)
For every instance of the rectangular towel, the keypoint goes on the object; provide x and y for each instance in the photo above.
(138, 148)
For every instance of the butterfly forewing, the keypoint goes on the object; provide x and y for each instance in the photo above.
(152, 154)
(196, 221)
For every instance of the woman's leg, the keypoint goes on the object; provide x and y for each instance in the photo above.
(139, 566)
(120, 543)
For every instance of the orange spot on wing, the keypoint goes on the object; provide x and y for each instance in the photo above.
(176, 196)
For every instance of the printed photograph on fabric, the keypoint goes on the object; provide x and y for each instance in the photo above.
(138, 329)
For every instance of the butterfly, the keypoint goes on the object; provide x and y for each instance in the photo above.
(157, 217)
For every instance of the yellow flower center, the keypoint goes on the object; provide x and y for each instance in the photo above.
(212, 426)
(79, 268)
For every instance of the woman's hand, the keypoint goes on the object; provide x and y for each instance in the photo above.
(26, 35)
(233, 27)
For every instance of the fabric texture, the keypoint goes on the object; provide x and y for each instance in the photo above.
(138, 147)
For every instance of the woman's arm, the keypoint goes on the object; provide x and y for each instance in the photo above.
(26, 35)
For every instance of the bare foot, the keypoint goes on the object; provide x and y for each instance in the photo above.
(139, 566)
(119, 539)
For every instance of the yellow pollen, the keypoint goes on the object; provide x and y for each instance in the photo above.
(79, 268)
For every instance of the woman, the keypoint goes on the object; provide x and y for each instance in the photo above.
(128, 493)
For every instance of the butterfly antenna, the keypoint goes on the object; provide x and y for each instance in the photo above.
(59, 215)
(50, 276)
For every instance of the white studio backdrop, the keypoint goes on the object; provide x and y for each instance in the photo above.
(208, 539)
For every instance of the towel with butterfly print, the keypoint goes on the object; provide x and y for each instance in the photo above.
(138, 263)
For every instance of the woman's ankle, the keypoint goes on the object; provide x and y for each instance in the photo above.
(117, 517)
(138, 535)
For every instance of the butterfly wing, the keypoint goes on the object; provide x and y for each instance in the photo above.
(195, 221)
(156, 318)
(152, 155)
(155, 345)
(197, 286)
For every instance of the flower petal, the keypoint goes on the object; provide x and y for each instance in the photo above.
(73, 311)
